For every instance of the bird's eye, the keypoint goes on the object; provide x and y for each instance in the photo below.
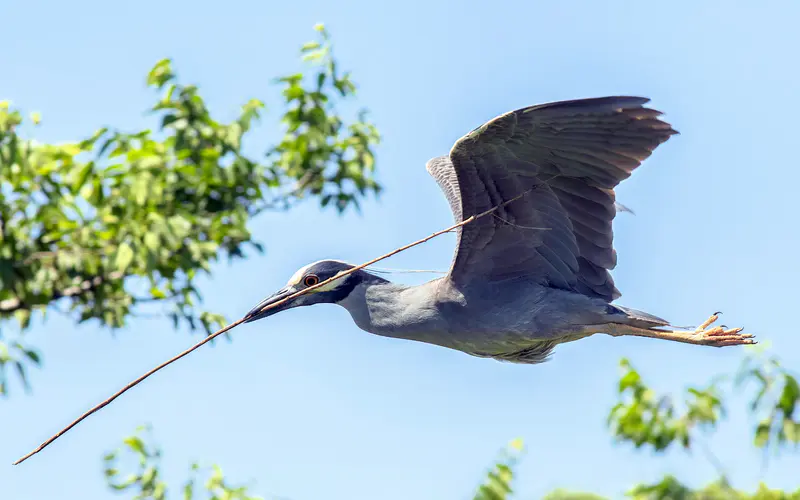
(311, 280)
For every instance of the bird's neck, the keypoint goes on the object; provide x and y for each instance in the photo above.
(394, 310)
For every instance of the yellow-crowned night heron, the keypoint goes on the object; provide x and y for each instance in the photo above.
(535, 272)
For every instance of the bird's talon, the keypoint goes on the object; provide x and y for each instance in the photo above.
(719, 336)
(707, 323)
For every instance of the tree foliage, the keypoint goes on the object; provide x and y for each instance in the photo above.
(497, 485)
(642, 418)
(145, 482)
(646, 419)
(101, 227)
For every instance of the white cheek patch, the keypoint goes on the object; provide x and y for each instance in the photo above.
(332, 285)
(296, 281)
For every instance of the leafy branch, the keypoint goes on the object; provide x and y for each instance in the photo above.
(119, 223)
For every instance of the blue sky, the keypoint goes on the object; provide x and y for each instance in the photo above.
(304, 405)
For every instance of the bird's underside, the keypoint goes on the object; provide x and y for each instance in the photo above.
(705, 334)
(485, 326)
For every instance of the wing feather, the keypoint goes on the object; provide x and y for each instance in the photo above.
(572, 154)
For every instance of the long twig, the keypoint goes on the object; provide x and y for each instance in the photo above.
(238, 322)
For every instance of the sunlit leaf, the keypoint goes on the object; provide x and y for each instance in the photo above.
(123, 257)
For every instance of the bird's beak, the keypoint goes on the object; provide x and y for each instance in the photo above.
(258, 311)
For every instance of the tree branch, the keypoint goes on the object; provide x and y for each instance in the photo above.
(16, 304)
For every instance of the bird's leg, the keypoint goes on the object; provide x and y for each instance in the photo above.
(718, 336)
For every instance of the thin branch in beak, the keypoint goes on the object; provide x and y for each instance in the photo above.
(258, 311)
(261, 310)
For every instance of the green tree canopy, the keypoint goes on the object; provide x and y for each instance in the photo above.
(101, 226)
(646, 419)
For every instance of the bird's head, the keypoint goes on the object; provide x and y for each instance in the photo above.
(309, 276)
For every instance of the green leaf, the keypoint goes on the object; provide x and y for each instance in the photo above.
(188, 490)
(23, 317)
(81, 176)
(135, 444)
(629, 380)
(151, 241)
(762, 434)
(161, 73)
(148, 476)
(33, 356)
(124, 257)
(789, 396)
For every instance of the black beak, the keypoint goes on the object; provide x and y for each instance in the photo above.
(258, 311)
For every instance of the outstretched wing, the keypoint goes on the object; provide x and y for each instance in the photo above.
(572, 154)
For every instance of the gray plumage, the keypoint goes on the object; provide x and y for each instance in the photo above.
(534, 273)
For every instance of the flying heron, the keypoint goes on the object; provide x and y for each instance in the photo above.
(535, 273)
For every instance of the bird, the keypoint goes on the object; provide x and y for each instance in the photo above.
(535, 273)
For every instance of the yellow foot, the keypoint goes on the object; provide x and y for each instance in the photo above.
(717, 336)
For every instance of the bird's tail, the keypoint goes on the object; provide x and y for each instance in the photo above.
(642, 319)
